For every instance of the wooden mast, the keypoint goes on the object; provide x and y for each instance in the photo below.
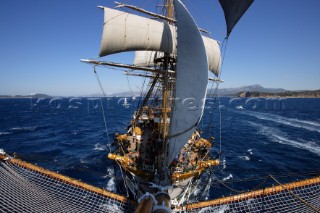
(165, 80)
(165, 88)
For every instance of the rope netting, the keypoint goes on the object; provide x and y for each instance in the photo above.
(28, 188)
(300, 196)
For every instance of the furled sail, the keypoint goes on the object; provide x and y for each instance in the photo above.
(128, 32)
(233, 11)
(191, 81)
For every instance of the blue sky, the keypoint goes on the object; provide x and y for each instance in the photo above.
(276, 44)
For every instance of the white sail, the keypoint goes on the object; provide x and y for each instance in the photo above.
(213, 54)
(123, 32)
(146, 58)
(191, 81)
(128, 32)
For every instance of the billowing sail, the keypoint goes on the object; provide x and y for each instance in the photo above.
(191, 81)
(128, 32)
(233, 10)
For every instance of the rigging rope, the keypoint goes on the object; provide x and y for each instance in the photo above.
(130, 86)
(124, 180)
(216, 94)
(238, 191)
(142, 89)
(102, 108)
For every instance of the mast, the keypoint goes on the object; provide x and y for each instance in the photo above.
(166, 90)
(168, 3)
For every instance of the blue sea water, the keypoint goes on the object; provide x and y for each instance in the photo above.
(259, 137)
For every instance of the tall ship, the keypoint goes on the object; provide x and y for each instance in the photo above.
(162, 154)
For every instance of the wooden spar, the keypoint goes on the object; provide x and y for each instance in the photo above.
(145, 11)
(127, 66)
(151, 76)
(139, 75)
(67, 180)
(169, 19)
(216, 80)
(202, 166)
(253, 194)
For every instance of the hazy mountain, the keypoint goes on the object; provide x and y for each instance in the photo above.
(251, 88)
(222, 92)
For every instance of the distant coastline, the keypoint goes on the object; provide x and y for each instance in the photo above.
(26, 96)
(287, 94)
(251, 91)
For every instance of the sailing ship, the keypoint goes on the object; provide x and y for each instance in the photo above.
(163, 154)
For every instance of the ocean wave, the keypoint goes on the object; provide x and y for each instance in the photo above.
(24, 129)
(99, 147)
(304, 124)
(223, 164)
(278, 136)
(111, 185)
(5, 133)
(206, 190)
(245, 157)
(228, 177)
(83, 161)
(250, 151)
(110, 173)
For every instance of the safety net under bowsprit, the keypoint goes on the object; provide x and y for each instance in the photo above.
(29, 188)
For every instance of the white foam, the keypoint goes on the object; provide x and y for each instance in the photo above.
(109, 174)
(111, 185)
(205, 192)
(228, 178)
(83, 161)
(278, 136)
(99, 147)
(110, 171)
(223, 164)
(31, 128)
(245, 157)
(304, 124)
(5, 133)
(250, 151)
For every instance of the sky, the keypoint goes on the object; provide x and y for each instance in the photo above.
(276, 44)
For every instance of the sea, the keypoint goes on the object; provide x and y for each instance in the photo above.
(254, 138)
